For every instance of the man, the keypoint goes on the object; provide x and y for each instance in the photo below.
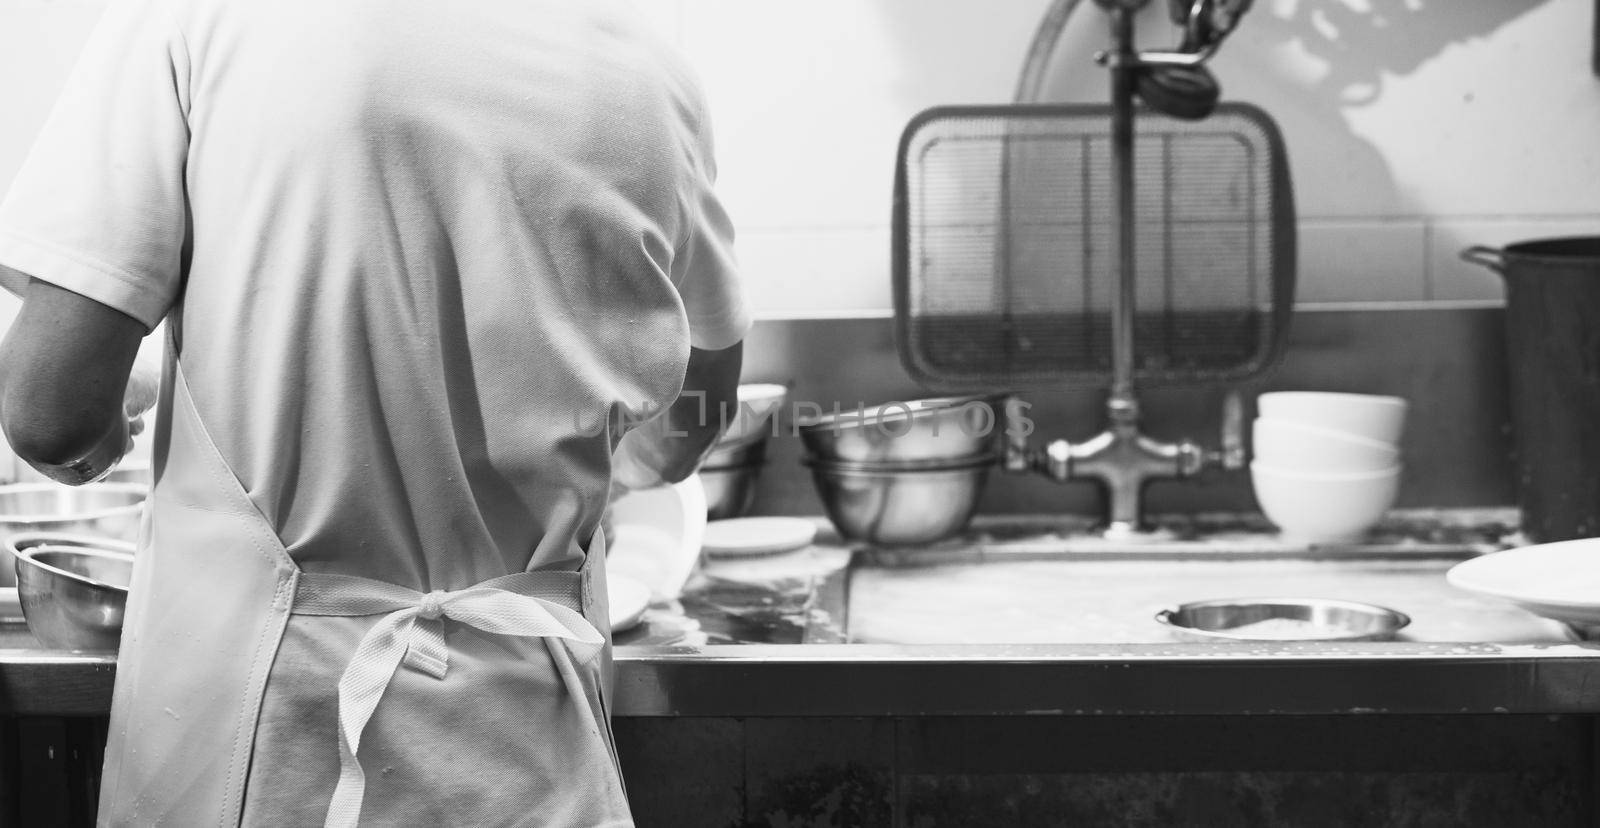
(416, 262)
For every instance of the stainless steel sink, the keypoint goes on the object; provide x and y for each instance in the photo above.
(1047, 584)
(1038, 616)
(987, 597)
(1051, 581)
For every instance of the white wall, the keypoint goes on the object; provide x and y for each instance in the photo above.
(1415, 127)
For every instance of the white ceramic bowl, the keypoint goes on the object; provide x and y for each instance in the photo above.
(1373, 416)
(1324, 508)
(1286, 444)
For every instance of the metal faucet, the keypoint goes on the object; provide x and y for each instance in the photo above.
(1122, 458)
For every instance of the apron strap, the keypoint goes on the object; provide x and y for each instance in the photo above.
(411, 632)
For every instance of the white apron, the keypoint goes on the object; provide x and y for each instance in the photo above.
(212, 595)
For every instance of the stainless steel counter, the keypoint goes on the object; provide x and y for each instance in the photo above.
(771, 638)
(1043, 679)
(1031, 617)
(35, 681)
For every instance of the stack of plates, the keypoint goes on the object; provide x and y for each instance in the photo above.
(757, 536)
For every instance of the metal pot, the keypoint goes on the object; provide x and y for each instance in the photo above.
(1553, 352)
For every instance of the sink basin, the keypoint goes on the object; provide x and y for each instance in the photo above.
(1048, 586)
(1050, 581)
(1089, 598)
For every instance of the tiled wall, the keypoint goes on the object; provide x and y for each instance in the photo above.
(1451, 363)
(1415, 127)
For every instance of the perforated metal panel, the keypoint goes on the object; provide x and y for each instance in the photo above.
(1006, 257)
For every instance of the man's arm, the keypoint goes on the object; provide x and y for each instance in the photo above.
(714, 374)
(670, 447)
(64, 369)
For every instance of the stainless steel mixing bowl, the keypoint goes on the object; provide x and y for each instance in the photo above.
(108, 510)
(729, 476)
(947, 429)
(1282, 619)
(908, 504)
(729, 491)
(73, 589)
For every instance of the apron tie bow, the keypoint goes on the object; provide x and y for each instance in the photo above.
(433, 604)
(541, 604)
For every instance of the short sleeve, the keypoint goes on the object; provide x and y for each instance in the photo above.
(705, 269)
(99, 205)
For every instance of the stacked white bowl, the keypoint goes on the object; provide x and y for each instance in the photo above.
(1326, 465)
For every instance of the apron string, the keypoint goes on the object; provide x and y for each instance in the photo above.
(539, 604)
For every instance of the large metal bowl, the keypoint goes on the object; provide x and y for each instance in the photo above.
(73, 588)
(730, 470)
(942, 429)
(898, 506)
(729, 476)
(106, 510)
(1282, 619)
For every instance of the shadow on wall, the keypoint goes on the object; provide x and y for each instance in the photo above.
(1306, 62)
(1361, 42)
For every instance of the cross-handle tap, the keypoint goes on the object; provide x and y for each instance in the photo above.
(1231, 456)
(1122, 459)
(1205, 24)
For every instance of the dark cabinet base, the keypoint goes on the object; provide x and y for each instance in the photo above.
(967, 772)
(50, 770)
(1014, 771)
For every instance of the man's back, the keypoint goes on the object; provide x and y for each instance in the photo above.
(431, 249)
(418, 255)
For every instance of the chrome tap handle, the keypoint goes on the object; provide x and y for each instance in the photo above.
(1019, 457)
(1232, 455)
(1225, 15)
(1205, 24)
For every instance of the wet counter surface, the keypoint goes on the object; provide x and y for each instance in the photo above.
(1034, 616)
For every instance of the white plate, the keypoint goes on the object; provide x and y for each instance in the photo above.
(743, 537)
(1556, 580)
(628, 599)
(643, 520)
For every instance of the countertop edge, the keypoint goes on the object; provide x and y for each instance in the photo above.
(867, 680)
(879, 680)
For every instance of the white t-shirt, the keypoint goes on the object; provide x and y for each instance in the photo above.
(421, 253)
